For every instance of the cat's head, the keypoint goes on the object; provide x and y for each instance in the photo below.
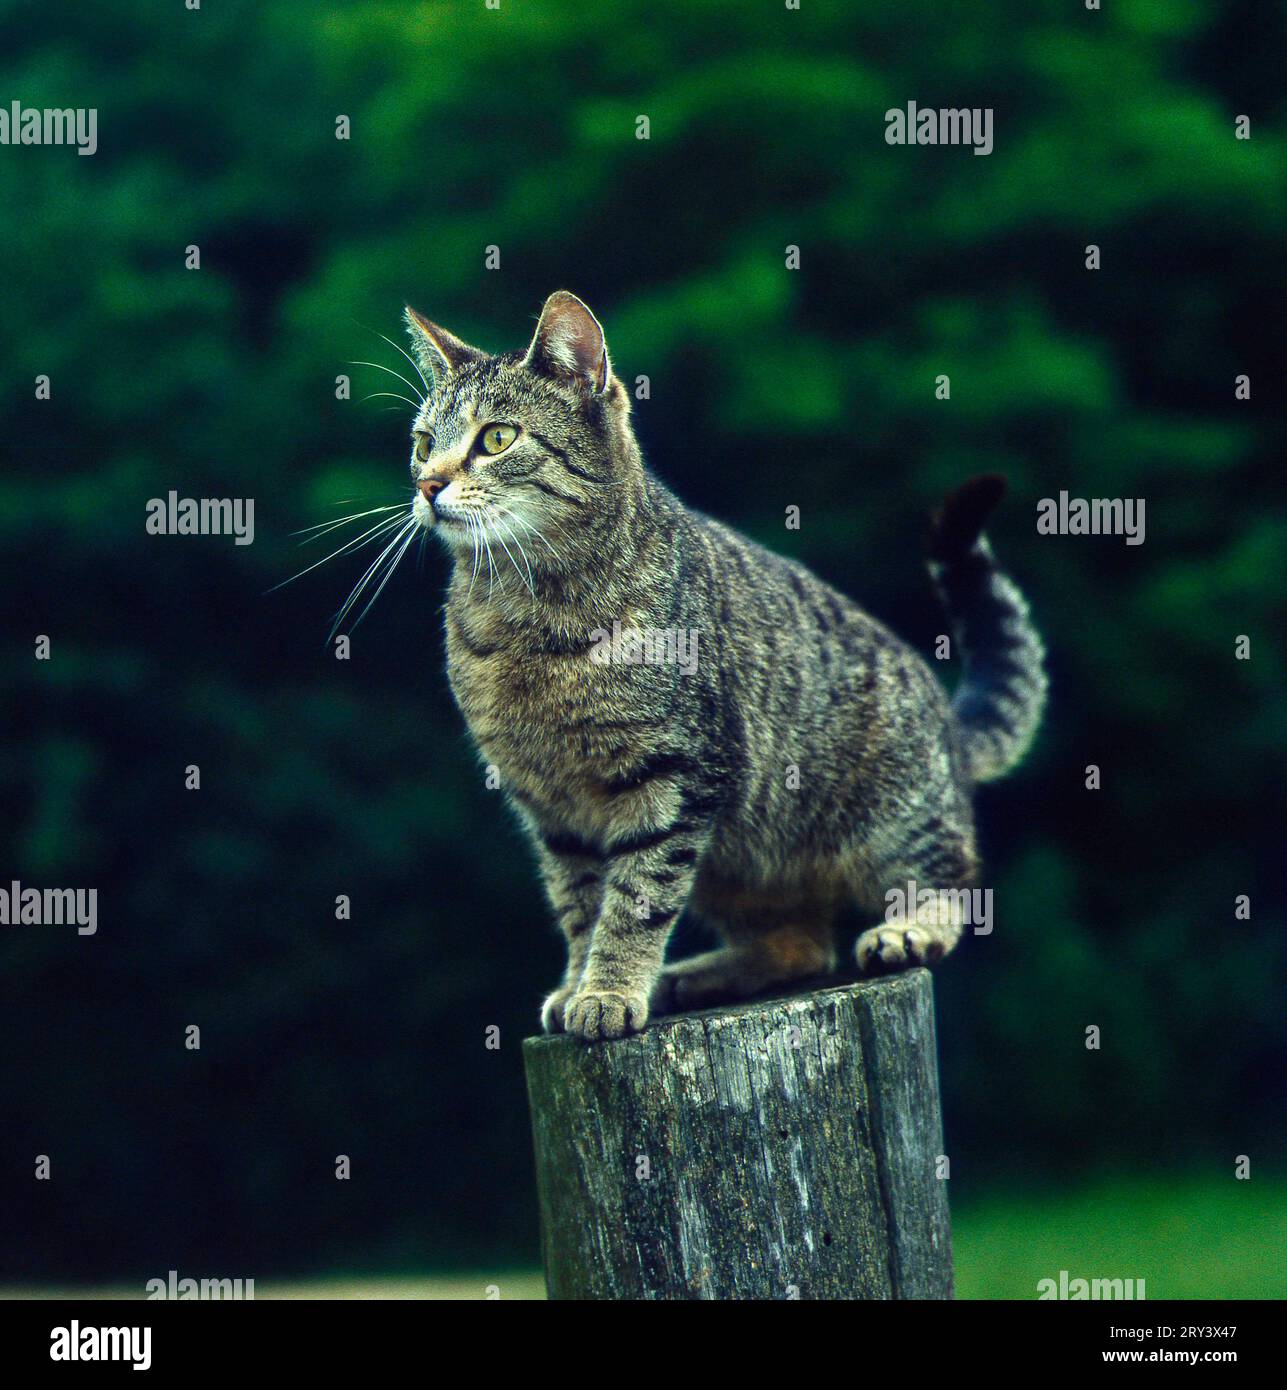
(532, 447)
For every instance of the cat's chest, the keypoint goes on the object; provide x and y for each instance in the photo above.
(554, 717)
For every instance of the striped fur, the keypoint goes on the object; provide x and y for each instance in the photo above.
(998, 706)
(810, 760)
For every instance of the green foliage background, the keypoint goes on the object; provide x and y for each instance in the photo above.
(516, 128)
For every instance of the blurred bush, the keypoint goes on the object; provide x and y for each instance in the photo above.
(516, 128)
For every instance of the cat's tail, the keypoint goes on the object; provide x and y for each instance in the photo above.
(999, 704)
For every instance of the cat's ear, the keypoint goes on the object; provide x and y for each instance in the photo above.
(437, 350)
(569, 344)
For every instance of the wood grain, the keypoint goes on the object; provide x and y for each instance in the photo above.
(784, 1148)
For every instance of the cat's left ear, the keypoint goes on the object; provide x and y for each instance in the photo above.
(437, 350)
(569, 343)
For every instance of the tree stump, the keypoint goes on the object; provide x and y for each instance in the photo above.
(785, 1148)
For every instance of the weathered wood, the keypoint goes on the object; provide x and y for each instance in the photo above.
(785, 1148)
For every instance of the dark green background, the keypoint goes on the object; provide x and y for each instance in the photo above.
(516, 128)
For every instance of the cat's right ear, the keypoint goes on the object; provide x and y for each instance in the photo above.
(437, 351)
(568, 343)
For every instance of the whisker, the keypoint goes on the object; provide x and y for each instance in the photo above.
(324, 526)
(512, 560)
(478, 551)
(366, 497)
(549, 521)
(522, 552)
(527, 526)
(388, 574)
(348, 545)
(414, 363)
(366, 578)
(410, 385)
(491, 568)
(371, 570)
(396, 395)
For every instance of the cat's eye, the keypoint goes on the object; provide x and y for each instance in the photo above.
(495, 439)
(424, 443)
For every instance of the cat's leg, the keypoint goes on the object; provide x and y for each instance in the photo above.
(931, 877)
(573, 877)
(648, 877)
(758, 961)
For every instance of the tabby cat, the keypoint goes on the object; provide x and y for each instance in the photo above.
(683, 720)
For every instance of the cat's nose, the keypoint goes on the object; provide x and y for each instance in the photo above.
(430, 487)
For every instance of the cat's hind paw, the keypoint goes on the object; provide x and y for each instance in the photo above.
(598, 1015)
(883, 949)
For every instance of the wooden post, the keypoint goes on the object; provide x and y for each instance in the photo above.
(785, 1148)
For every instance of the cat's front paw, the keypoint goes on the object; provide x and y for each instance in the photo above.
(597, 1015)
(552, 1009)
(883, 949)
